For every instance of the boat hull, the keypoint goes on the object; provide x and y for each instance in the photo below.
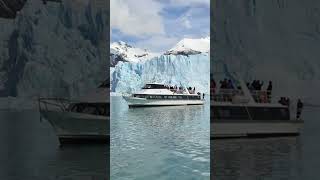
(142, 102)
(251, 128)
(71, 127)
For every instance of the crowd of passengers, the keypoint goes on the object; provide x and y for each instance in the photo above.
(224, 85)
(255, 87)
(227, 89)
(180, 89)
(260, 95)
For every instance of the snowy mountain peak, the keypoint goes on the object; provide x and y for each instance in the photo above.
(188, 46)
(125, 52)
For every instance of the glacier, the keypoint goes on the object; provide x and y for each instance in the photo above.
(270, 40)
(58, 49)
(53, 50)
(180, 70)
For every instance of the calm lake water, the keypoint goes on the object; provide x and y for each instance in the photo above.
(159, 142)
(287, 158)
(155, 143)
(30, 150)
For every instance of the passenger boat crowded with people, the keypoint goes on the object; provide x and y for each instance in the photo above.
(155, 94)
(238, 110)
(85, 119)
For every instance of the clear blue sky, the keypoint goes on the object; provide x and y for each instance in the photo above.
(158, 25)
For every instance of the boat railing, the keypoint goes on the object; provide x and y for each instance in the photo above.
(261, 96)
(225, 95)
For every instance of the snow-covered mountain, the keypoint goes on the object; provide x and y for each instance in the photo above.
(176, 69)
(121, 51)
(188, 46)
(57, 49)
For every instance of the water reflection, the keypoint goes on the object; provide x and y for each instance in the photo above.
(274, 158)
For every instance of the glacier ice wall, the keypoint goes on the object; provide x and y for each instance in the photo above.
(192, 70)
(270, 40)
(54, 49)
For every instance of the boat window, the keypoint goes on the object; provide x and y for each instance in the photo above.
(194, 97)
(154, 86)
(270, 113)
(224, 112)
(101, 109)
(167, 96)
(147, 86)
(139, 95)
(256, 113)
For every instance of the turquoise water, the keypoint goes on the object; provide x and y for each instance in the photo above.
(159, 142)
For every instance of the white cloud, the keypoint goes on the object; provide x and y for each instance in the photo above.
(137, 18)
(190, 2)
(158, 44)
(186, 23)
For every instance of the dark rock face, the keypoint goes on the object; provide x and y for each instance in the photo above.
(115, 58)
(275, 39)
(183, 53)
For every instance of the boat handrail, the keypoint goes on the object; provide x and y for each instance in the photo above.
(230, 91)
(226, 95)
(60, 103)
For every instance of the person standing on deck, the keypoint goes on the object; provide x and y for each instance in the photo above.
(213, 86)
(269, 91)
(299, 109)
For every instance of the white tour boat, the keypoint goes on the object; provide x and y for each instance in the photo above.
(83, 120)
(155, 94)
(242, 112)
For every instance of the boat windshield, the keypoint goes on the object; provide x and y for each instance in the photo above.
(101, 109)
(154, 86)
